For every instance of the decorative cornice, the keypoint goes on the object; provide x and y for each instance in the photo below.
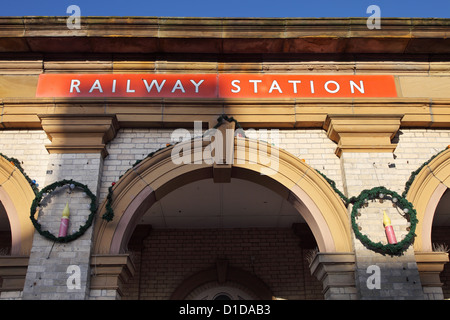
(79, 133)
(363, 133)
(252, 113)
(430, 265)
(13, 270)
(334, 270)
(110, 272)
(224, 35)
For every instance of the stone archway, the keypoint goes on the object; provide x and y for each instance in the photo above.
(425, 193)
(296, 182)
(222, 279)
(16, 196)
(153, 178)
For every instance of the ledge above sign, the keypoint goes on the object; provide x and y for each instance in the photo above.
(215, 86)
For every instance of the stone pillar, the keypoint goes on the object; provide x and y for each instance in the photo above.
(12, 276)
(398, 277)
(78, 155)
(336, 271)
(109, 273)
(430, 265)
(364, 144)
(379, 276)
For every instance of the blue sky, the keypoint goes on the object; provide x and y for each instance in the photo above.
(230, 8)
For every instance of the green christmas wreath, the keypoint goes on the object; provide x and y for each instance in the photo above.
(402, 203)
(48, 189)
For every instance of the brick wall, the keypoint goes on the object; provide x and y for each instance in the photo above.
(392, 170)
(128, 146)
(27, 146)
(415, 146)
(274, 255)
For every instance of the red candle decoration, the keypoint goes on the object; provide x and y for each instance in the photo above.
(388, 229)
(64, 225)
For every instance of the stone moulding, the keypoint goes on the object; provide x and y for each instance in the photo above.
(430, 265)
(79, 133)
(13, 270)
(17, 196)
(363, 132)
(335, 271)
(425, 193)
(223, 35)
(252, 113)
(315, 200)
(109, 272)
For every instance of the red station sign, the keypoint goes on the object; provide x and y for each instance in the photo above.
(216, 86)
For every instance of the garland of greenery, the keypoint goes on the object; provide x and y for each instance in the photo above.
(109, 212)
(416, 172)
(34, 186)
(224, 117)
(335, 189)
(48, 189)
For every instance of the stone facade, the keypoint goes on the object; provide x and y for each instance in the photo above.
(358, 143)
(353, 172)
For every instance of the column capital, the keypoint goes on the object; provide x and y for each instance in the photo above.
(110, 272)
(362, 132)
(336, 271)
(13, 270)
(79, 133)
(430, 265)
